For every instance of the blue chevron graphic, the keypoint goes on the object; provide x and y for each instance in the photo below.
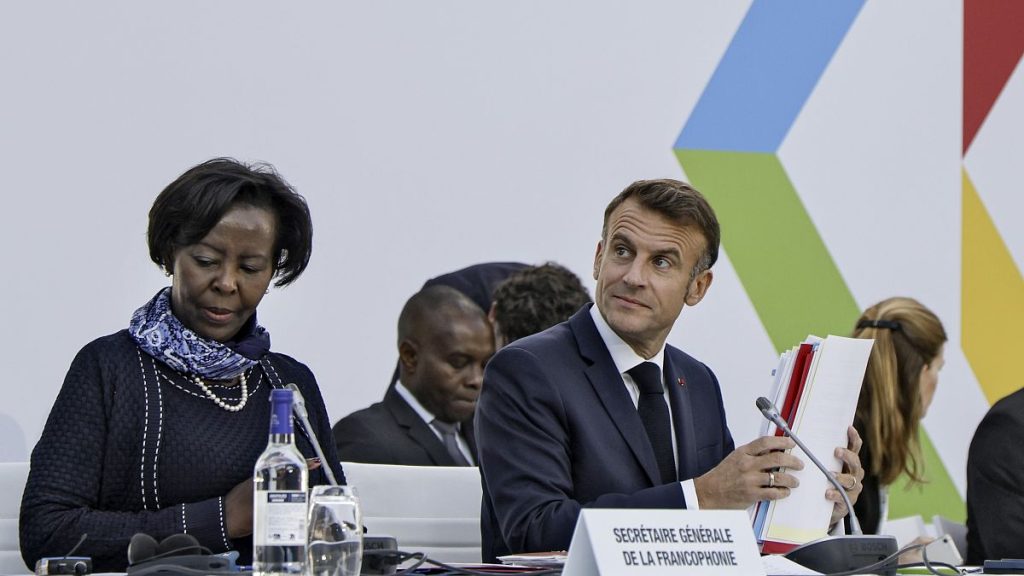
(776, 58)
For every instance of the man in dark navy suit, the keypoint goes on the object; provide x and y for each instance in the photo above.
(444, 341)
(599, 412)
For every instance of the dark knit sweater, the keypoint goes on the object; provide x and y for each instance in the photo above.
(132, 446)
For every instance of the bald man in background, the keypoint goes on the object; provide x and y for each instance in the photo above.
(444, 342)
(477, 282)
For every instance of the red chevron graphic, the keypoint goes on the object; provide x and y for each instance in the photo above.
(993, 44)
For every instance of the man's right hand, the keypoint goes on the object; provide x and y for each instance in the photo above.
(751, 473)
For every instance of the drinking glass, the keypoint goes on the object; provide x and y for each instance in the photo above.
(335, 532)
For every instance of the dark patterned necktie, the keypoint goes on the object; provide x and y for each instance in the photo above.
(654, 414)
(451, 443)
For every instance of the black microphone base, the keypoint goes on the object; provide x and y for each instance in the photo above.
(380, 555)
(79, 565)
(842, 553)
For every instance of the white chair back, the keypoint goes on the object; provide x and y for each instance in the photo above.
(430, 509)
(12, 484)
(956, 530)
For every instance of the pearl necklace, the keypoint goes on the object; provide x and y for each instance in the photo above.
(220, 401)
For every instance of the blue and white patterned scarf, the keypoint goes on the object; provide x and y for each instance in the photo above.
(159, 333)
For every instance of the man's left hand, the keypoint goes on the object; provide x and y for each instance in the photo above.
(851, 478)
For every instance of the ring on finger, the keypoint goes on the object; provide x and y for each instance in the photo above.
(771, 479)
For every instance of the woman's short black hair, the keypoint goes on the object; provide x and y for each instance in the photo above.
(188, 208)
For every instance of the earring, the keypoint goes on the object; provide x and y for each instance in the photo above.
(267, 292)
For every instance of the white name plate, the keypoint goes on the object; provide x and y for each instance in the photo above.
(610, 542)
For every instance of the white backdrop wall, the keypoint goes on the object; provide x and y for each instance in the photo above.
(430, 136)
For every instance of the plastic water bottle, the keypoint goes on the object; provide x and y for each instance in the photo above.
(279, 507)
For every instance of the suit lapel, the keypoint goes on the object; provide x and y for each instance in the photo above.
(417, 430)
(607, 383)
(682, 416)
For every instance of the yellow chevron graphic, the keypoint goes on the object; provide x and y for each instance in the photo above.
(993, 301)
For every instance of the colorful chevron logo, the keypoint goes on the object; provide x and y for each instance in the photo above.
(993, 289)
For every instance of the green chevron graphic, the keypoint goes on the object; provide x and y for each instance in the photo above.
(786, 270)
(938, 496)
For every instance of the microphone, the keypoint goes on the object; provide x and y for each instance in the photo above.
(772, 414)
(67, 564)
(834, 554)
(299, 408)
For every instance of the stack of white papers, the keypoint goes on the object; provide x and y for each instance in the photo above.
(816, 386)
(536, 559)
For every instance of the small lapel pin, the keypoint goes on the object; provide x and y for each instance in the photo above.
(682, 381)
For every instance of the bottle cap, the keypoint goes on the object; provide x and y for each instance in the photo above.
(281, 411)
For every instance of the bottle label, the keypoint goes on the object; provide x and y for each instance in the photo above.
(285, 514)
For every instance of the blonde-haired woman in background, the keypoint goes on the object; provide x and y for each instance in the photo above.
(899, 384)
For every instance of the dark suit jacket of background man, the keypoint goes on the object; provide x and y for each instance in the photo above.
(557, 431)
(391, 432)
(995, 484)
